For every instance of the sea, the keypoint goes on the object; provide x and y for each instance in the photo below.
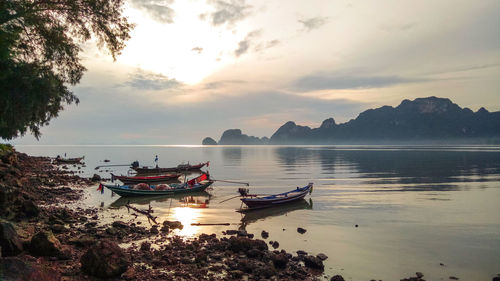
(378, 212)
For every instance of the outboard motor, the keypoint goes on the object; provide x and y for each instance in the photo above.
(243, 191)
(135, 164)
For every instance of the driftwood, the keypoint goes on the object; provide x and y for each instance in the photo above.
(146, 213)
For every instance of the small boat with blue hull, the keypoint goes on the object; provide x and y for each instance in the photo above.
(259, 202)
(197, 184)
(128, 190)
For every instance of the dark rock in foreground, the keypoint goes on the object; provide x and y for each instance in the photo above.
(105, 259)
(17, 269)
(44, 243)
(10, 243)
(337, 278)
(313, 262)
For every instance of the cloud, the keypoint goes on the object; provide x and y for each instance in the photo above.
(220, 84)
(346, 81)
(227, 12)
(267, 45)
(399, 27)
(245, 44)
(314, 23)
(157, 9)
(197, 49)
(152, 81)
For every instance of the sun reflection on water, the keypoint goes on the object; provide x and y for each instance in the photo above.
(187, 216)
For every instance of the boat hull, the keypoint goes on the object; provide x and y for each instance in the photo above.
(157, 179)
(125, 191)
(179, 169)
(278, 199)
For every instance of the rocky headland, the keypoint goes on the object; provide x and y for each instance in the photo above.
(423, 120)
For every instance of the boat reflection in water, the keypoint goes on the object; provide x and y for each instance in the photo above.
(183, 199)
(279, 210)
(186, 208)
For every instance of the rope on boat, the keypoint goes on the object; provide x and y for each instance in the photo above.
(237, 182)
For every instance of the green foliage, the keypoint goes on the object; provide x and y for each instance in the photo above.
(5, 147)
(40, 43)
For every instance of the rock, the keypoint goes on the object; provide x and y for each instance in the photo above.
(231, 232)
(242, 233)
(154, 229)
(82, 241)
(244, 244)
(254, 253)
(301, 230)
(250, 235)
(173, 224)
(14, 268)
(496, 278)
(419, 274)
(454, 278)
(105, 259)
(10, 243)
(301, 253)
(313, 262)
(58, 228)
(322, 256)
(44, 243)
(120, 224)
(165, 229)
(275, 244)
(30, 209)
(208, 141)
(236, 274)
(145, 246)
(95, 177)
(130, 274)
(264, 234)
(279, 260)
(337, 278)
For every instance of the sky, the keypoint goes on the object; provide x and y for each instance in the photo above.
(195, 68)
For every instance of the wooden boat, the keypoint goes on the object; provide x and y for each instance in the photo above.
(258, 202)
(145, 179)
(180, 168)
(194, 185)
(275, 211)
(60, 160)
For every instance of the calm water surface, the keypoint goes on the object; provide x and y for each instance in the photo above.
(416, 206)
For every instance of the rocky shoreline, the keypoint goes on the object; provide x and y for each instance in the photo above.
(42, 239)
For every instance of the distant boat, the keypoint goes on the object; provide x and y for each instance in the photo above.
(180, 168)
(194, 185)
(60, 160)
(259, 202)
(145, 179)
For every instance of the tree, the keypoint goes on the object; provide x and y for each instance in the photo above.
(40, 44)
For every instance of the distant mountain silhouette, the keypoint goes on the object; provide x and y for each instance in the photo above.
(423, 119)
(208, 141)
(429, 118)
(234, 136)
